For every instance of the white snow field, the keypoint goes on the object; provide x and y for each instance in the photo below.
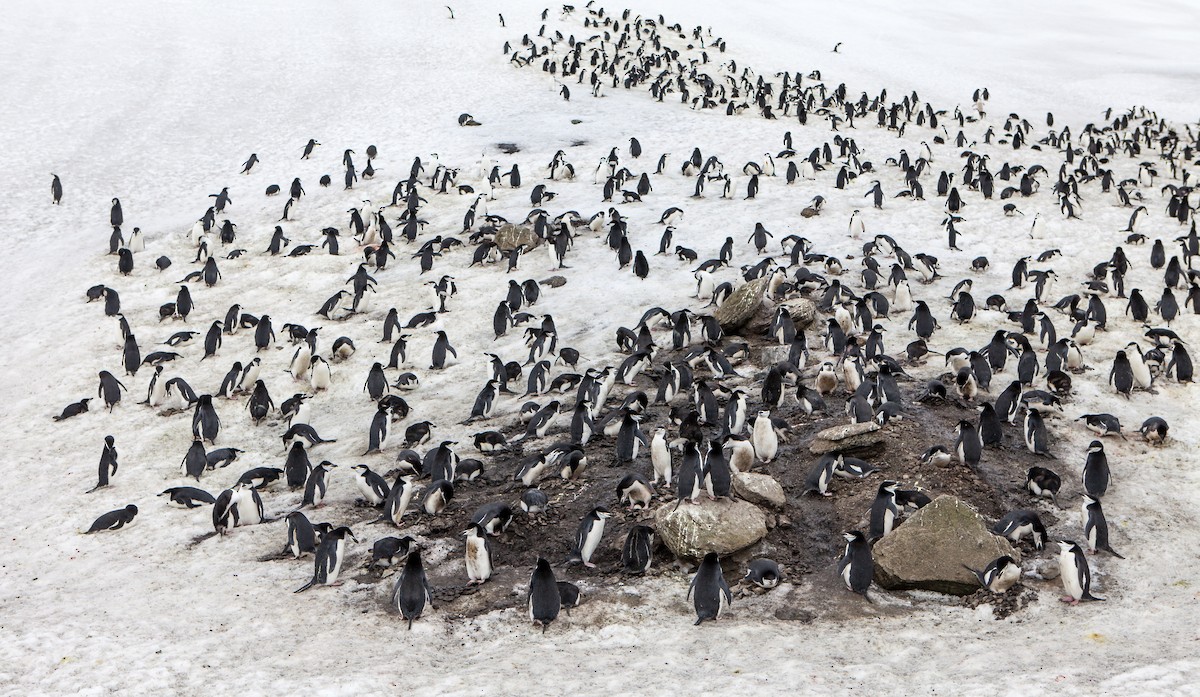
(160, 103)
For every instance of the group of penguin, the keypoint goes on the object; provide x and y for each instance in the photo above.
(703, 383)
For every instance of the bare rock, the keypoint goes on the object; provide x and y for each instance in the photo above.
(722, 526)
(510, 236)
(847, 437)
(759, 489)
(739, 308)
(929, 550)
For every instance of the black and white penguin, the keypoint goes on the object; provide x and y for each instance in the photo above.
(188, 496)
(712, 594)
(1154, 430)
(1042, 482)
(389, 551)
(114, 520)
(330, 554)
(1017, 524)
(478, 554)
(411, 592)
(764, 573)
(108, 463)
(635, 489)
(884, 510)
(301, 535)
(544, 600)
(856, 567)
(999, 575)
(587, 537)
(1075, 574)
(374, 487)
(534, 501)
(1096, 475)
(317, 484)
(638, 551)
(404, 489)
(1095, 527)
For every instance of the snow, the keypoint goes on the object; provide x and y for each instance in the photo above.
(160, 106)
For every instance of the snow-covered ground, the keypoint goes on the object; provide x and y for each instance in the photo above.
(160, 104)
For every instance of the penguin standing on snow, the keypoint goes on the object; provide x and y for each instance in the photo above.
(1095, 471)
(56, 190)
(1095, 527)
(108, 460)
(301, 535)
(1075, 574)
(329, 557)
(712, 594)
(411, 592)
(544, 600)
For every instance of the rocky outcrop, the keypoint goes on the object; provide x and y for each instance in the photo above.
(847, 437)
(759, 489)
(509, 237)
(928, 550)
(738, 308)
(722, 526)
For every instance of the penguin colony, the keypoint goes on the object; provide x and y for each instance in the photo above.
(547, 417)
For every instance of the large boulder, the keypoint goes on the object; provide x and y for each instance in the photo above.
(759, 489)
(721, 526)
(802, 310)
(838, 439)
(741, 305)
(510, 236)
(929, 550)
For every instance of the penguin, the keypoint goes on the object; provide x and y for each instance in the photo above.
(400, 496)
(764, 573)
(999, 575)
(766, 442)
(884, 510)
(718, 478)
(660, 457)
(629, 437)
(389, 551)
(534, 501)
(330, 554)
(1095, 527)
(635, 489)
(968, 445)
(188, 496)
(544, 600)
(1075, 574)
(1040, 481)
(1096, 474)
(1017, 524)
(440, 347)
(1036, 436)
(108, 460)
(1154, 430)
(110, 390)
(638, 551)
(317, 485)
(411, 592)
(1121, 374)
(587, 538)
(260, 477)
(689, 479)
(437, 496)
(712, 593)
(478, 555)
(114, 520)
(56, 190)
(301, 535)
(856, 567)
(374, 488)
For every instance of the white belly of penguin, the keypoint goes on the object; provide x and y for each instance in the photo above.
(592, 540)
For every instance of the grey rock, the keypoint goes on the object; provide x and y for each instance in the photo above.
(929, 550)
(847, 437)
(722, 526)
(739, 308)
(510, 236)
(759, 489)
